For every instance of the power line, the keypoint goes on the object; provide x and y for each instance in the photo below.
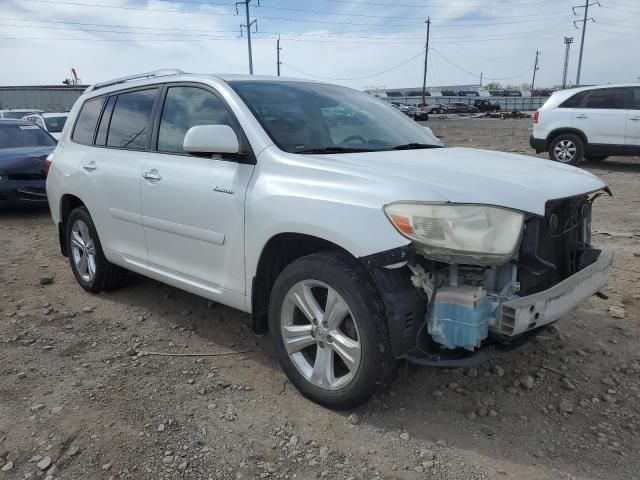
(121, 7)
(474, 74)
(355, 78)
(443, 4)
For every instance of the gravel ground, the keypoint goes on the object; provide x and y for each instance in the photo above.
(80, 400)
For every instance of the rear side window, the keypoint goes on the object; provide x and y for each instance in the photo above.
(87, 119)
(129, 127)
(615, 98)
(574, 101)
(101, 136)
(636, 99)
(186, 107)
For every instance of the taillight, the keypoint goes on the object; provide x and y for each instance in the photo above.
(536, 114)
(47, 163)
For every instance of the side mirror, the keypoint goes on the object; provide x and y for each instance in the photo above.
(211, 139)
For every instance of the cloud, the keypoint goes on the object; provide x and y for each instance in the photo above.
(43, 39)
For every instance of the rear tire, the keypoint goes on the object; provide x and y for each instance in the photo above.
(337, 352)
(567, 148)
(92, 270)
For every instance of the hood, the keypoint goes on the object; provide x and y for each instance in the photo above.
(465, 175)
(23, 160)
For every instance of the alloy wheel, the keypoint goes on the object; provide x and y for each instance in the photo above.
(320, 335)
(83, 250)
(565, 151)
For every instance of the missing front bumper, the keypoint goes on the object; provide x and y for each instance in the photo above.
(522, 314)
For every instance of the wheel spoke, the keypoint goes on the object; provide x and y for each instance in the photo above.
(348, 349)
(77, 240)
(336, 309)
(84, 231)
(91, 265)
(323, 372)
(84, 265)
(302, 296)
(91, 248)
(297, 337)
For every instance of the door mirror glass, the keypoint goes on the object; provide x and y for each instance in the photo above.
(210, 139)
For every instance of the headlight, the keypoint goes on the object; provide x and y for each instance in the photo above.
(475, 234)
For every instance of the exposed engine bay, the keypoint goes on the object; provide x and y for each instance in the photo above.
(458, 308)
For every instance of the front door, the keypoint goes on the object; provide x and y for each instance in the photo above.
(632, 139)
(193, 207)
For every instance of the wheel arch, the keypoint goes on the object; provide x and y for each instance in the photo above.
(278, 252)
(559, 131)
(68, 203)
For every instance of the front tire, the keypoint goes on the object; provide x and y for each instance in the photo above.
(92, 270)
(567, 148)
(329, 331)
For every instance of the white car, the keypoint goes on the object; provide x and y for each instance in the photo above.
(53, 123)
(589, 123)
(339, 224)
(18, 113)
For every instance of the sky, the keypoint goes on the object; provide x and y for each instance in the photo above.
(357, 43)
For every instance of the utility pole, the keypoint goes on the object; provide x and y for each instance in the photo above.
(248, 27)
(426, 57)
(535, 69)
(480, 79)
(278, 54)
(584, 29)
(567, 42)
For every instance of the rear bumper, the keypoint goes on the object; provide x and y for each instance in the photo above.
(20, 193)
(526, 313)
(538, 144)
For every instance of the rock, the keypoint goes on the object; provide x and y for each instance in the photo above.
(471, 416)
(293, 441)
(567, 385)
(426, 454)
(87, 309)
(56, 410)
(167, 459)
(21, 375)
(565, 406)
(324, 451)
(428, 465)
(132, 352)
(37, 407)
(161, 427)
(419, 469)
(453, 386)
(183, 466)
(405, 436)
(617, 311)
(499, 371)
(354, 419)
(44, 463)
(7, 466)
(441, 443)
(527, 382)
(53, 471)
(46, 280)
(106, 467)
(73, 449)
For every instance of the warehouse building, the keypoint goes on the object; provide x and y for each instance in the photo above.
(50, 98)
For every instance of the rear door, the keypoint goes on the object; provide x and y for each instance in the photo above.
(602, 115)
(113, 167)
(193, 206)
(632, 139)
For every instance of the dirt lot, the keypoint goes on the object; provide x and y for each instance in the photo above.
(76, 402)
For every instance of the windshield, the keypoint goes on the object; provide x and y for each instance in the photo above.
(20, 136)
(303, 117)
(55, 124)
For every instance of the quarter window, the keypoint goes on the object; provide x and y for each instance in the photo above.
(574, 101)
(87, 119)
(186, 107)
(101, 136)
(129, 127)
(612, 98)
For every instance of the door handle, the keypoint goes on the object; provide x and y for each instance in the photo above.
(634, 118)
(90, 167)
(582, 115)
(152, 175)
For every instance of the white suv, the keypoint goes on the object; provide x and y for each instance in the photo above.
(338, 223)
(589, 123)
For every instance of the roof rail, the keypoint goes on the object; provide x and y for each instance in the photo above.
(138, 76)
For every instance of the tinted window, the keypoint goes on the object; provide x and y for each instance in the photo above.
(636, 99)
(607, 98)
(185, 107)
(87, 120)
(55, 124)
(129, 126)
(101, 137)
(575, 101)
(19, 136)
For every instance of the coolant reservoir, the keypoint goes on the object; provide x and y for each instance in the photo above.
(460, 316)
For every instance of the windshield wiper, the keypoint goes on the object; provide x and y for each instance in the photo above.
(414, 146)
(335, 150)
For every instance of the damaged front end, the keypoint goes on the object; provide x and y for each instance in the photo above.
(474, 280)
